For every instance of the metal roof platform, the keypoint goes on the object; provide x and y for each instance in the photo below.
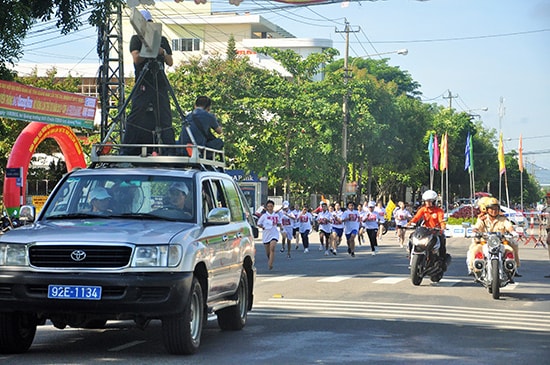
(157, 155)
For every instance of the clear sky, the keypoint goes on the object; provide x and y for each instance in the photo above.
(479, 50)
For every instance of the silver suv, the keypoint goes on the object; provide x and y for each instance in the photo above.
(132, 238)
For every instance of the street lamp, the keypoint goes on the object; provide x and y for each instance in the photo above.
(345, 112)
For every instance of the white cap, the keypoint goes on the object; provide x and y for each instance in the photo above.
(286, 204)
(371, 204)
(180, 186)
(99, 193)
(147, 15)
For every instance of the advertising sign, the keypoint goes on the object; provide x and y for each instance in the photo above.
(30, 104)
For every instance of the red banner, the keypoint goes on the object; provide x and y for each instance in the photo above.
(31, 104)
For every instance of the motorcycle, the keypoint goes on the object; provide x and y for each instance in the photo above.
(494, 265)
(9, 223)
(424, 244)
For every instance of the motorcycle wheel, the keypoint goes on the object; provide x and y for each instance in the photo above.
(416, 263)
(495, 280)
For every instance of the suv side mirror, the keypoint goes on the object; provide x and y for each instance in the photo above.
(218, 216)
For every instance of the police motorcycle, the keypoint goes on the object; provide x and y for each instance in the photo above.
(424, 244)
(494, 265)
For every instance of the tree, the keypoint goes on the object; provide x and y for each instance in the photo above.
(17, 18)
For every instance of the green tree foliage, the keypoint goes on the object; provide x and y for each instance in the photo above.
(17, 17)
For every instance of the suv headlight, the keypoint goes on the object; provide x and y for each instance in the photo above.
(13, 255)
(157, 256)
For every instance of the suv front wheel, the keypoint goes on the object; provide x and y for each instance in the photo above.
(234, 318)
(182, 333)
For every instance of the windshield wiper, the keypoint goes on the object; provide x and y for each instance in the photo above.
(77, 216)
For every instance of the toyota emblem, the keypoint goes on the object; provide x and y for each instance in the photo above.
(78, 255)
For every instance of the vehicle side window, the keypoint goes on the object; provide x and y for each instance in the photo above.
(218, 194)
(235, 205)
(207, 199)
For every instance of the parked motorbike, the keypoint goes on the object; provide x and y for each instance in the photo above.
(424, 244)
(494, 265)
(8, 223)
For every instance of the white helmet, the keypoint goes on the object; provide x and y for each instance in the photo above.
(429, 195)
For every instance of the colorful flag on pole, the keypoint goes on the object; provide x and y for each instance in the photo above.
(467, 153)
(443, 159)
(431, 150)
(520, 157)
(501, 163)
(435, 161)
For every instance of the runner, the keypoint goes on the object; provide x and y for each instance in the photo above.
(325, 227)
(287, 219)
(351, 226)
(337, 227)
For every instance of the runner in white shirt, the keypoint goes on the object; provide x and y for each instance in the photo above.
(325, 227)
(296, 231)
(337, 227)
(381, 212)
(401, 216)
(305, 218)
(287, 220)
(351, 226)
(269, 222)
(371, 224)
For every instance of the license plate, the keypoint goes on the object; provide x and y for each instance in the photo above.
(74, 292)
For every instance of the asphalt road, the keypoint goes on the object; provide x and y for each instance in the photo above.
(314, 309)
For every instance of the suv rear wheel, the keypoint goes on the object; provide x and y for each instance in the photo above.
(234, 318)
(182, 333)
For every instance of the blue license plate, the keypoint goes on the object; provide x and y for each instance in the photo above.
(74, 292)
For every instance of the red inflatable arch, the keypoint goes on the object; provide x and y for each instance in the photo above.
(21, 154)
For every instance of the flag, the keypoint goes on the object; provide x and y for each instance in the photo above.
(501, 164)
(471, 144)
(520, 157)
(443, 160)
(467, 153)
(435, 161)
(431, 151)
(389, 210)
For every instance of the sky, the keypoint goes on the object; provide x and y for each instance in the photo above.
(492, 54)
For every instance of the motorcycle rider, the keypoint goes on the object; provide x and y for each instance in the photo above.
(490, 220)
(433, 217)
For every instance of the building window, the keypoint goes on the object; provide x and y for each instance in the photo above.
(186, 44)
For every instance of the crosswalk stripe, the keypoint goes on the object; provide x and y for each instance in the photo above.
(390, 280)
(283, 278)
(522, 320)
(335, 279)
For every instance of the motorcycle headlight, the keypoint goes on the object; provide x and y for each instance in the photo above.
(421, 242)
(493, 242)
(13, 255)
(157, 256)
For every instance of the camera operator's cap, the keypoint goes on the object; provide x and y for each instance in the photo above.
(99, 193)
(147, 15)
(180, 186)
(286, 204)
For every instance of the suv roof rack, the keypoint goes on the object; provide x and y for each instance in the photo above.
(157, 155)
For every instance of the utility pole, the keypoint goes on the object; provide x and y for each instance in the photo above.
(450, 97)
(345, 111)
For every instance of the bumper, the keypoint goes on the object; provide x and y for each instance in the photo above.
(150, 295)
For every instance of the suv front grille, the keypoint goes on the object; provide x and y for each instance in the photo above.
(79, 256)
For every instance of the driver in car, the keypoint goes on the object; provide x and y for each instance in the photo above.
(100, 200)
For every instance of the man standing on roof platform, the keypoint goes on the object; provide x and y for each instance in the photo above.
(150, 120)
(202, 123)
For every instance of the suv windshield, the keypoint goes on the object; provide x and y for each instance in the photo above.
(157, 197)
